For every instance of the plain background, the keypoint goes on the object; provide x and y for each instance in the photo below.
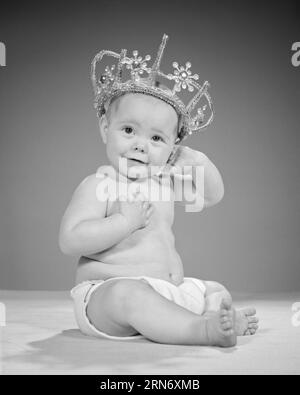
(50, 139)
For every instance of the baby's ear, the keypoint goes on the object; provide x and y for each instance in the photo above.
(103, 126)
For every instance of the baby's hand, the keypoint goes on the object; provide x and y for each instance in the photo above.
(181, 162)
(185, 156)
(137, 211)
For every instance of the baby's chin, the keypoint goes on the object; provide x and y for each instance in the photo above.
(143, 171)
(135, 171)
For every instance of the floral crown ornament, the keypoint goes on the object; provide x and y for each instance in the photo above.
(112, 83)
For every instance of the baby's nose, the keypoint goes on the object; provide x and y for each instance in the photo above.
(140, 147)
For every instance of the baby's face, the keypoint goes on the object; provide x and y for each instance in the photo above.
(140, 128)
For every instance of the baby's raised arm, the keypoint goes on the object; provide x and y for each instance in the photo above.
(85, 230)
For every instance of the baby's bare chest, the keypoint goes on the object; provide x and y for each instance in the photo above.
(158, 193)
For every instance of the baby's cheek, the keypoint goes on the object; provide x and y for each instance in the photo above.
(161, 155)
(163, 161)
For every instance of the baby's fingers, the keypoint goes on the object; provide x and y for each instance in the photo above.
(146, 204)
(176, 169)
(138, 196)
(148, 216)
(149, 211)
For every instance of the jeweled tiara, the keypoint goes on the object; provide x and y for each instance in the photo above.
(193, 117)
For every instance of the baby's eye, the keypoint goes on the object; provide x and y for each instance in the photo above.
(128, 129)
(157, 138)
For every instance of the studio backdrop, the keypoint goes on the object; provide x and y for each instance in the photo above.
(49, 138)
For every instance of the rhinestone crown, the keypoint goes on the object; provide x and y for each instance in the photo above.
(192, 117)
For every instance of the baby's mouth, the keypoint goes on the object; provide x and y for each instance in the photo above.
(137, 161)
(137, 168)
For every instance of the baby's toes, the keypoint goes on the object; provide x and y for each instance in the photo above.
(225, 304)
(251, 330)
(252, 320)
(253, 326)
(249, 311)
(226, 312)
(226, 323)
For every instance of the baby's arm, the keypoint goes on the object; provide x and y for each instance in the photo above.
(84, 228)
(213, 182)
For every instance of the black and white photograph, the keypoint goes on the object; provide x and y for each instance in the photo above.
(150, 190)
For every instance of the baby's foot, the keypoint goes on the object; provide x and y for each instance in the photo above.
(246, 321)
(220, 325)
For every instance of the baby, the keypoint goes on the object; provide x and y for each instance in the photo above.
(130, 281)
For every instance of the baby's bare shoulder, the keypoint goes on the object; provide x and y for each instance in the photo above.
(88, 187)
(86, 190)
(85, 203)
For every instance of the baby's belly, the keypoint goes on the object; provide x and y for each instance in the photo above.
(153, 253)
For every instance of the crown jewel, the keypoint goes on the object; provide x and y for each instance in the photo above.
(144, 79)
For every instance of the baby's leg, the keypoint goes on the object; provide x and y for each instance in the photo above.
(126, 307)
(246, 321)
